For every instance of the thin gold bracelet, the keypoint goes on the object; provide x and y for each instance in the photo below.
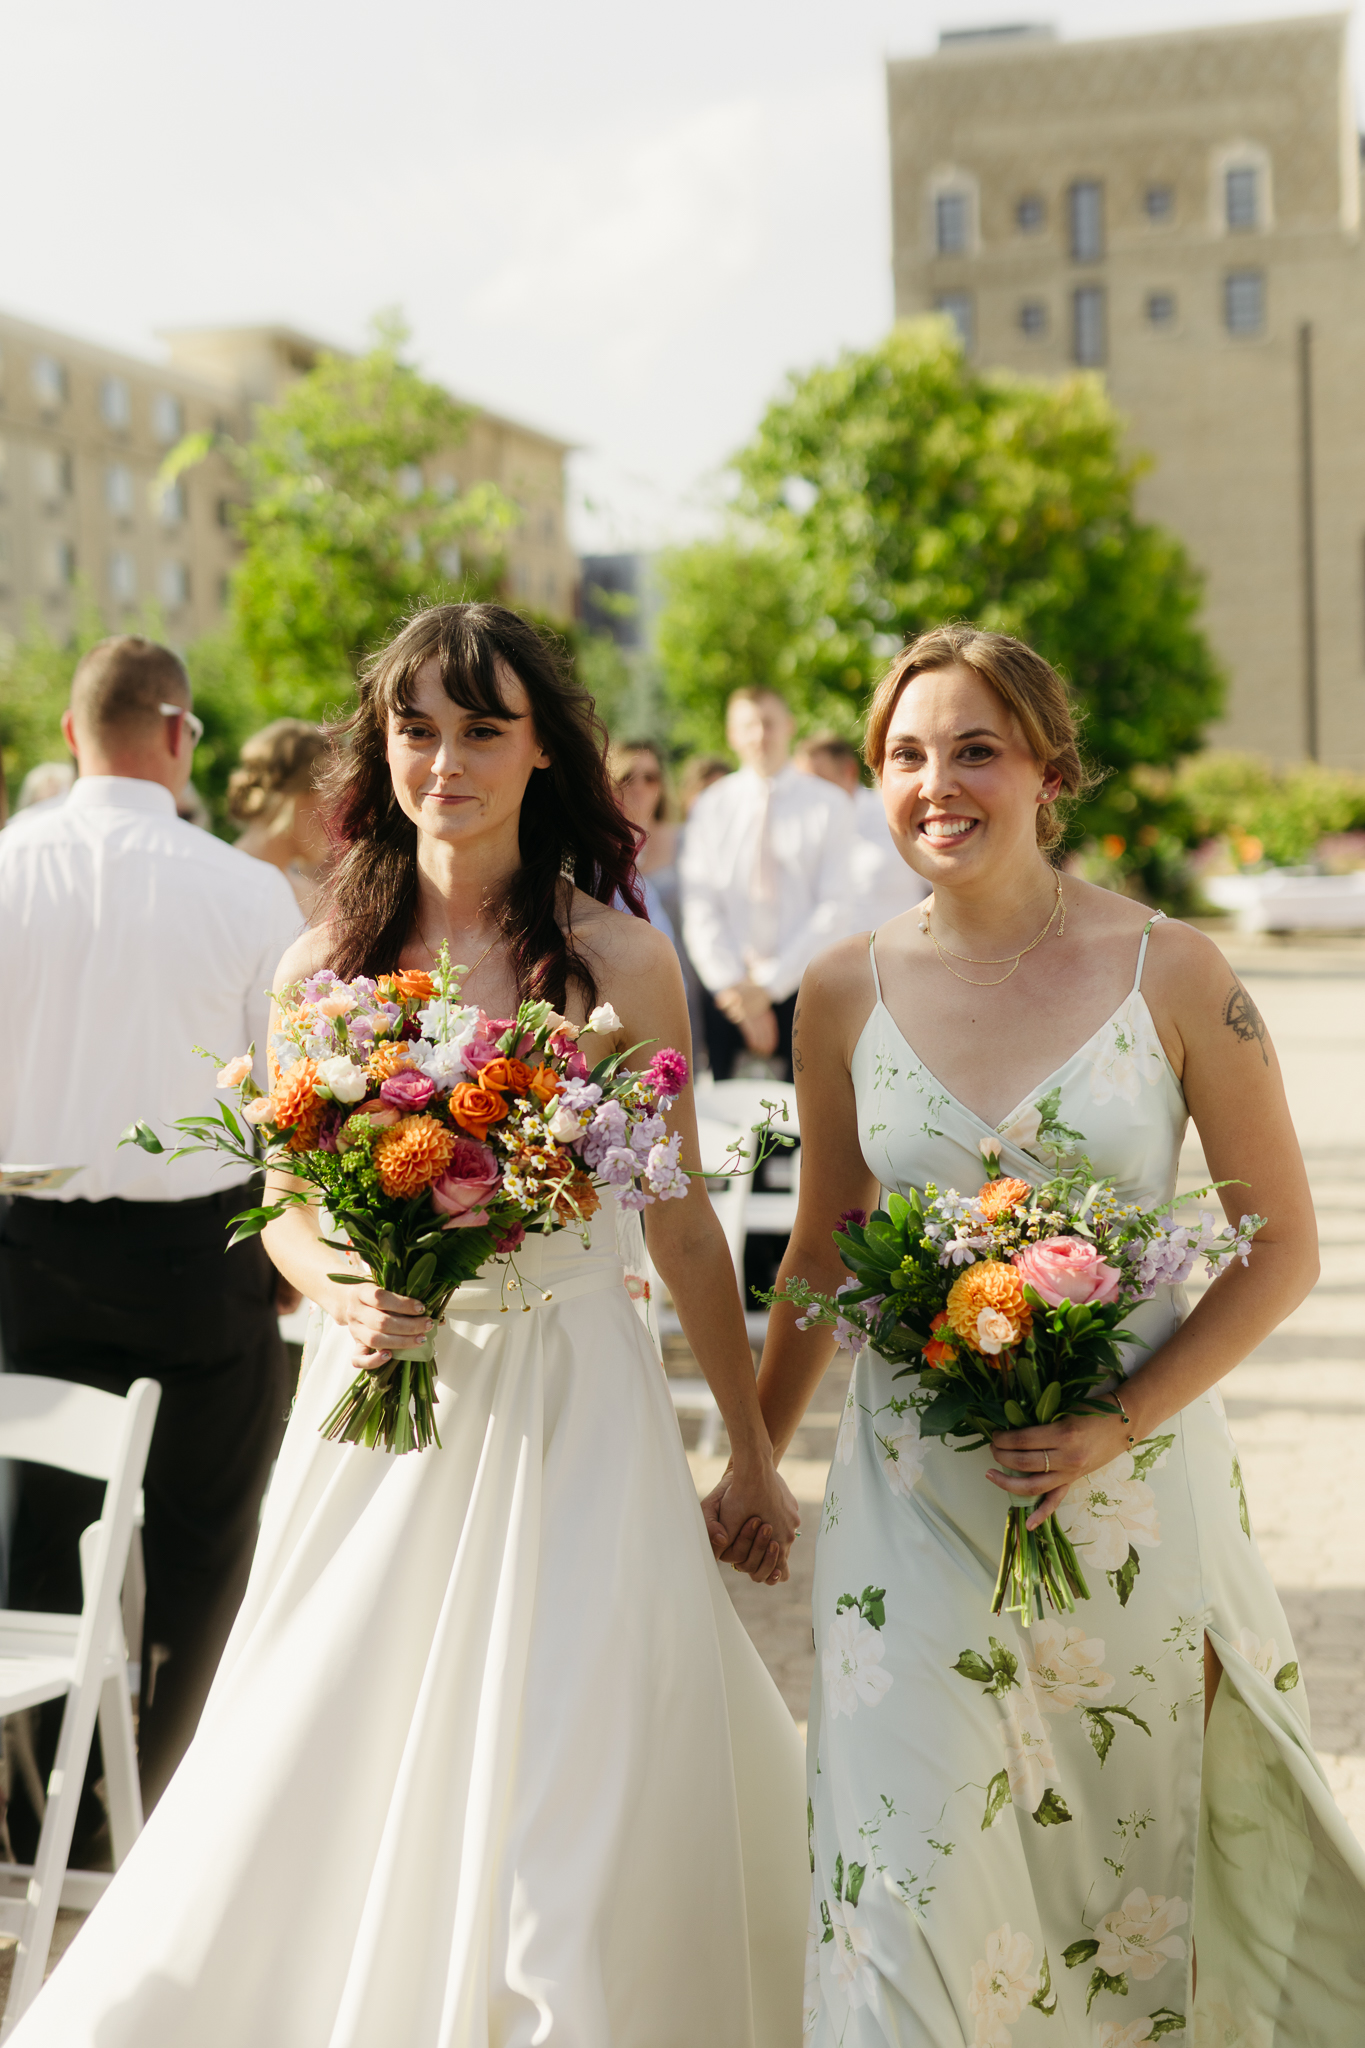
(1129, 1420)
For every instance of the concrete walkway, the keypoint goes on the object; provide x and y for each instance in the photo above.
(1297, 1406)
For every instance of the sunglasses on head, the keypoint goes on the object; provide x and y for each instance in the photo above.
(194, 726)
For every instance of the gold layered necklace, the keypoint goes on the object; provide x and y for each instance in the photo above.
(1009, 961)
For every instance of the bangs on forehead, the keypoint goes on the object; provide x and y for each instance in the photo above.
(468, 664)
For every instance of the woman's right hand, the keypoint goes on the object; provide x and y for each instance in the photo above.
(380, 1323)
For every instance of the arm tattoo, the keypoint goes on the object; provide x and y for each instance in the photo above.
(798, 1063)
(1243, 1018)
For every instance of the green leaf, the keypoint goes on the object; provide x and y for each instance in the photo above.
(971, 1664)
(1051, 1810)
(1129, 1715)
(1015, 1415)
(1050, 1400)
(853, 1882)
(419, 1276)
(1147, 1453)
(898, 1209)
(1004, 1663)
(997, 1798)
(143, 1135)
(1040, 1996)
(1100, 1729)
(1102, 1981)
(349, 1279)
(1286, 1678)
(1243, 1517)
(1079, 1952)
(872, 1602)
(839, 1877)
(1165, 2021)
(1125, 1577)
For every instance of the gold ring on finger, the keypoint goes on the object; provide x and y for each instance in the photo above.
(1047, 1464)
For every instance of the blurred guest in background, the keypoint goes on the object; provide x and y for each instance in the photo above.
(764, 886)
(190, 806)
(133, 938)
(271, 795)
(881, 886)
(698, 774)
(637, 771)
(49, 783)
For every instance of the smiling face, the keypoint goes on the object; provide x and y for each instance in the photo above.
(960, 786)
(460, 775)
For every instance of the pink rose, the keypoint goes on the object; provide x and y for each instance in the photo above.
(468, 1219)
(407, 1090)
(469, 1181)
(1067, 1269)
(480, 1053)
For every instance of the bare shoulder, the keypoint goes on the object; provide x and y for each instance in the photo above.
(836, 995)
(616, 941)
(310, 951)
(1184, 966)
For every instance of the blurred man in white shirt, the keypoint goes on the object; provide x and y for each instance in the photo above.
(130, 937)
(881, 884)
(764, 881)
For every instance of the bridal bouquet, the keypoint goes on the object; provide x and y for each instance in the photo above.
(1007, 1305)
(437, 1137)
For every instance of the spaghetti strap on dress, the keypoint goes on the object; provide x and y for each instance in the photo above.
(1020, 1834)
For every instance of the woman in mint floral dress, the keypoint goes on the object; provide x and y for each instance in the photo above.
(1109, 1827)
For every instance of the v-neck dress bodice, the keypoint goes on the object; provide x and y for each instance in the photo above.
(1019, 1832)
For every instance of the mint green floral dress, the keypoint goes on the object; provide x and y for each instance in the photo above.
(1019, 1833)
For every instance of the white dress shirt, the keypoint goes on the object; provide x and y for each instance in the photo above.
(127, 938)
(764, 873)
(882, 883)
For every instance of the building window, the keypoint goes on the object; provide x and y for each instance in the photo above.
(1160, 309)
(958, 307)
(407, 481)
(168, 417)
(1244, 301)
(170, 505)
(1241, 198)
(951, 223)
(118, 490)
(1030, 214)
(116, 404)
(51, 477)
(1087, 325)
(61, 567)
(1033, 319)
(49, 382)
(1158, 203)
(445, 485)
(549, 528)
(1086, 202)
(173, 585)
(122, 577)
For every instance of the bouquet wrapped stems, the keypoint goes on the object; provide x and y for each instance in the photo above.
(1034, 1562)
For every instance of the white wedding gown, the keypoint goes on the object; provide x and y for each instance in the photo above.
(489, 1760)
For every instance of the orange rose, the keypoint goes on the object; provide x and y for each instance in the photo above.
(545, 1084)
(513, 1075)
(474, 1108)
(937, 1352)
(411, 981)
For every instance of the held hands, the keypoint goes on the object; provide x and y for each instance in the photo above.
(749, 1006)
(1056, 1454)
(752, 1520)
(380, 1323)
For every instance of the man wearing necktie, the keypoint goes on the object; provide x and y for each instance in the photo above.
(764, 878)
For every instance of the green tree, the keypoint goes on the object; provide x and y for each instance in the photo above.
(343, 533)
(899, 487)
(35, 689)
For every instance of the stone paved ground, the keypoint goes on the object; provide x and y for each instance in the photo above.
(1297, 1406)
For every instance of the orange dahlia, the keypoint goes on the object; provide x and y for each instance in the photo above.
(386, 1059)
(989, 1289)
(293, 1099)
(999, 1196)
(412, 1154)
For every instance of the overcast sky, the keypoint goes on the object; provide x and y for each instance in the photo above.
(619, 221)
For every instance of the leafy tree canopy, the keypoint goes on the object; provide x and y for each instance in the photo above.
(343, 532)
(899, 488)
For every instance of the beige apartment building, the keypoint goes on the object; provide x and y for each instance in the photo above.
(84, 431)
(1182, 214)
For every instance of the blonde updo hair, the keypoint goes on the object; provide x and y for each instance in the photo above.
(276, 766)
(1029, 688)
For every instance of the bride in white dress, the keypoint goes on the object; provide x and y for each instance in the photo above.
(489, 1760)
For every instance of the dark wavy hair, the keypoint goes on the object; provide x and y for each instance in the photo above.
(572, 828)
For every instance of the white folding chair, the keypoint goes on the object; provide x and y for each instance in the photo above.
(82, 1658)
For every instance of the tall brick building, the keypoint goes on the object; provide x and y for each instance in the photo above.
(1182, 214)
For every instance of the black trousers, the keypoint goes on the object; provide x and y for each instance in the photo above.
(725, 1041)
(105, 1293)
